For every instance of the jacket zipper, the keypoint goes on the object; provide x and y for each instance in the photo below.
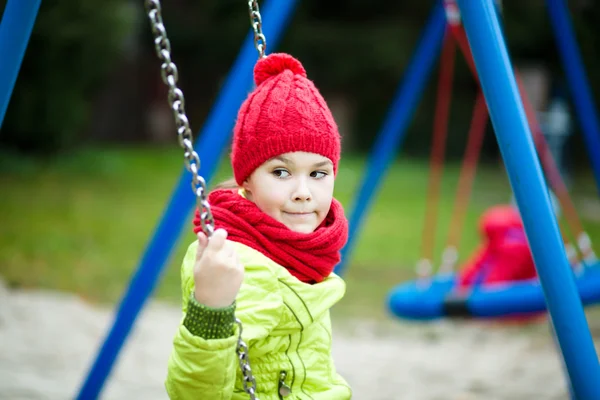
(284, 389)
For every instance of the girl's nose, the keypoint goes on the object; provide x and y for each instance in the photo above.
(302, 191)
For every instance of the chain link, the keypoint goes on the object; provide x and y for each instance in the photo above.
(260, 42)
(170, 76)
(244, 360)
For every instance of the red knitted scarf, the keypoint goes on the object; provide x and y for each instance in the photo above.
(310, 257)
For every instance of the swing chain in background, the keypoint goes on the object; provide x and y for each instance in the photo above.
(260, 42)
(176, 99)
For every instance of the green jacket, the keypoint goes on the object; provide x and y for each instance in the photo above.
(286, 325)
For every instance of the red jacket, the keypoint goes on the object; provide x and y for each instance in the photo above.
(504, 256)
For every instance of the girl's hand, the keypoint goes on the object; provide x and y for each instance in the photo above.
(218, 274)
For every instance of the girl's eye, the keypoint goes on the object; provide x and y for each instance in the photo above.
(281, 173)
(318, 174)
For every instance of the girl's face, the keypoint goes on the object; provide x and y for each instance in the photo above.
(295, 188)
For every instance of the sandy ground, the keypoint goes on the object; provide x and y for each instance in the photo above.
(47, 342)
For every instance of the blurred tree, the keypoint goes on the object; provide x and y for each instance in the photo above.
(73, 46)
(357, 53)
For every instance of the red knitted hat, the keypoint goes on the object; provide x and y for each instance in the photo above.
(285, 113)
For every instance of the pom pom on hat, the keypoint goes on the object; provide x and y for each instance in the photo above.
(284, 114)
(275, 64)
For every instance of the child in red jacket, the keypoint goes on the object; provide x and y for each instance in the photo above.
(505, 256)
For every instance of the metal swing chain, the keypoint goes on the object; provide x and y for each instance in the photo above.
(260, 42)
(170, 76)
(176, 99)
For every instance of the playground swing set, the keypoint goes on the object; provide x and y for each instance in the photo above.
(568, 272)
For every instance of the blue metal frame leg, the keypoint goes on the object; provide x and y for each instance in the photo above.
(213, 141)
(394, 128)
(526, 178)
(578, 82)
(562, 364)
(15, 30)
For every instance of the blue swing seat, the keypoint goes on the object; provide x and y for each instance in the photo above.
(415, 301)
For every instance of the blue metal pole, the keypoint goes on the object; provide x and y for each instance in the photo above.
(396, 123)
(526, 178)
(15, 29)
(578, 82)
(562, 364)
(213, 140)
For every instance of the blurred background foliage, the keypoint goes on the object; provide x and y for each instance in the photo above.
(71, 52)
(90, 74)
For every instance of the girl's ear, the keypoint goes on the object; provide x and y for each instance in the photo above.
(246, 186)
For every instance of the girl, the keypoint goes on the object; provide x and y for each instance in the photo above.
(271, 259)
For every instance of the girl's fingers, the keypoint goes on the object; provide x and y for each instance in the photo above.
(202, 243)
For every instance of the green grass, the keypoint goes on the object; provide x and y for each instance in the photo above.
(80, 223)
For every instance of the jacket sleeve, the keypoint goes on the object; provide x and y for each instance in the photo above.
(207, 368)
(471, 269)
